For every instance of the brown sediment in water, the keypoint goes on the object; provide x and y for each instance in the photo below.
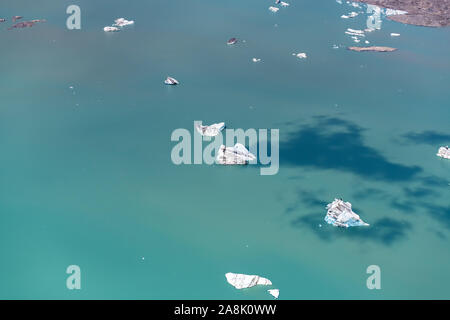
(376, 49)
(427, 13)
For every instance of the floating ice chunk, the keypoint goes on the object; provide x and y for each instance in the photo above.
(234, 155)
(274, 9)
(444, 152)
(171, 81)
(353, 32)
(242, 281)
(284, 4)
(393, 12)
(111, 29)
(300, 55)
(340, 214)
(366, 42)
(335, 46)
(121, 22)
(395, 34)
(274, 292)
(210, 131)
(373, 48)
(232, 41)
(350, 15)
(256, 60)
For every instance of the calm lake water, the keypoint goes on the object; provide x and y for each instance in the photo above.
(86, 176)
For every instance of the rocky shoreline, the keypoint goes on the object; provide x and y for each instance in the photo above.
(428, 13)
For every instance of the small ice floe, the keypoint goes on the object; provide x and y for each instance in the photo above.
(350, 15)
(210, 131)
(340, 214)
(300, 55)
(110, 29)
(232, 41)
(444, 152)
(284, 4)
(274, 9)
(171, 81)
(353, 32)
(395, 34)
(393, 12)
(121, 22)
(243, 281)
(366, 42)
(256, 60)
(234, 155)
(335, 46)
(274, 292)
(372, 48)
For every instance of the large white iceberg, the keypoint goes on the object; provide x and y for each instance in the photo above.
(210, 131)
(340, 214)
(242, 281)
(444, 152)
(234, 155)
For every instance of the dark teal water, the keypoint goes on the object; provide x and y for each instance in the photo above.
(86, 176)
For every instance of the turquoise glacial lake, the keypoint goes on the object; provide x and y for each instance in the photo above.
(86, 176)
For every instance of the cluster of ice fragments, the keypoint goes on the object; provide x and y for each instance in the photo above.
(444, 152)
(350, 15)
(234, 155)
(340, 214)
(243, 281)
(118, 24)
(281, 3)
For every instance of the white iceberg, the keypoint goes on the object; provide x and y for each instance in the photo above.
(444, 152)
(210, 131)
(111, 29)
(284, 4)
(171, 81)
(121, 22)
(340, 214)
(274, 9)
(395, 34)
(300, 55)
(242, 281)
(274, 292)
(256, 60)
(234, 155)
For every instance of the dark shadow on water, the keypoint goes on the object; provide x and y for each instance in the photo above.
(384, 231)
(427, 137)
(334, 143)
